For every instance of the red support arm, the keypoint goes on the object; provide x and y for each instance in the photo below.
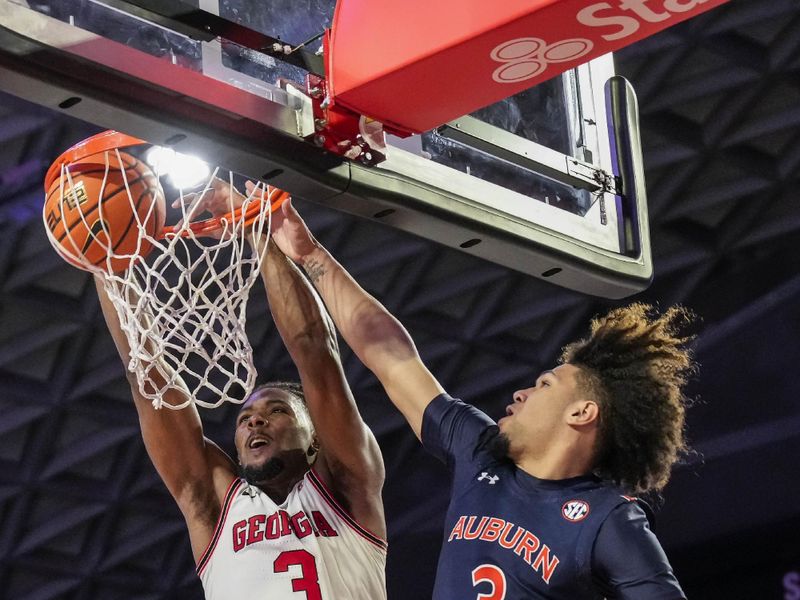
(416, 64)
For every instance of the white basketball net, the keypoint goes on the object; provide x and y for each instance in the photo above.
(182, 309)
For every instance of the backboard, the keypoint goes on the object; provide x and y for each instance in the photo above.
(548, 182)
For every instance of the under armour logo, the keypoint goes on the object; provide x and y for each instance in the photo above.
(526, 58)
(492, 478)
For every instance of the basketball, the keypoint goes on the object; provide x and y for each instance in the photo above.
(95, 215)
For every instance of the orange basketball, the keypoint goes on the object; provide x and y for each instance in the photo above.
(94, 215)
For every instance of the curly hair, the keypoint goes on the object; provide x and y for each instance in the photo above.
(636, 362)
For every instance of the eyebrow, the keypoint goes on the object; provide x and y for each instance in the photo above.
(270, 402)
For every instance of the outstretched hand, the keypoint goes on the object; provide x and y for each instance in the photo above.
(218, 197)
(291, 233)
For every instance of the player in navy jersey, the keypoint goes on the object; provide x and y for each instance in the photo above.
(541, 505)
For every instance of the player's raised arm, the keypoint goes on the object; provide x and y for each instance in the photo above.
(349, 457)
(379, 340)
(195, 470)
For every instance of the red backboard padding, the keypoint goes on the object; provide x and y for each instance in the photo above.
(416, 64)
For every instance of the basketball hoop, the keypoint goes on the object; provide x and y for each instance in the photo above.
(180, 291)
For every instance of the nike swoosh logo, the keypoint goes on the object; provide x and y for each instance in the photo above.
(95, 230)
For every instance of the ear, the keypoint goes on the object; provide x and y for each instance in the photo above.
(583, 412)
(312, 452)
(313, 448)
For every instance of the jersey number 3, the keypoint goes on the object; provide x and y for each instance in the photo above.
(309, 582)
(493, 575)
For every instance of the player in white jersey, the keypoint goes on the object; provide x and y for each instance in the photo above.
(309, 542)
(300, 517)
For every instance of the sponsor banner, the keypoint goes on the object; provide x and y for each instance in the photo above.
(416, 64)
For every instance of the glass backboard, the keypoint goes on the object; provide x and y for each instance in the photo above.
(548, 182)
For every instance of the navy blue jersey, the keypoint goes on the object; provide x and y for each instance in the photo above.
(511, 536)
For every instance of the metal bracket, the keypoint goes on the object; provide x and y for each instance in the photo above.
(205, 26)
(341, 131)
(605, 181)
(527, 154)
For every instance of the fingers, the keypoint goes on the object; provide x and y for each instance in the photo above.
(293, 216)
(217, 199)
(205, 197)
(290, 212)
(186, 200)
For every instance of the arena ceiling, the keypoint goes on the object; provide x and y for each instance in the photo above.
(83, 514)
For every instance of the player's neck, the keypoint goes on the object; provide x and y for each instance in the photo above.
(278, 489)
(557, 462)
(553, 472)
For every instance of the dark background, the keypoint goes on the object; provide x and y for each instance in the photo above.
(83, 514)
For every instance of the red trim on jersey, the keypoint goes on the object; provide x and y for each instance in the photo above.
(233, 488)
(326, 494)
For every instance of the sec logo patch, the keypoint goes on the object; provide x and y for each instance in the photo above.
(575, 510)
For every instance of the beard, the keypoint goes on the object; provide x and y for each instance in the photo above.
(497, 444)
(255, 474)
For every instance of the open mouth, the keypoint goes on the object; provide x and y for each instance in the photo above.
(258, 442)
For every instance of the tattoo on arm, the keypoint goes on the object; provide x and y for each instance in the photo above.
(315, 270)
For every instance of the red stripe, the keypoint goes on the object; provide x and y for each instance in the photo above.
(233, 488)
(331, 500)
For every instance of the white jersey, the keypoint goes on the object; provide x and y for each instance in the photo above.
(307, 548)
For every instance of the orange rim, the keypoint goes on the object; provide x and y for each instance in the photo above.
(112, 140)
(212, 224)
(101, 142)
